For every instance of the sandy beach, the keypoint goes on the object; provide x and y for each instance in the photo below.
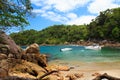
(89, 70)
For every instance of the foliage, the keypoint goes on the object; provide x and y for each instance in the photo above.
(57, 34)
(13, 13)
(106, 26)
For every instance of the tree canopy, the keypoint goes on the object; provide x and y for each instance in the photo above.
(56, 34)
(13, 13)
(106, 26)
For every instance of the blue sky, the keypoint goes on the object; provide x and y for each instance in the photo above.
(69, 12)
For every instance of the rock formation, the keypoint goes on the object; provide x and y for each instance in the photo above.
(7, 45)
(13, 59)
(32, 54)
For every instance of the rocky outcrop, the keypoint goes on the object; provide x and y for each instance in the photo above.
(60, 68)
(74, 76)
(3, 56)
(3, 73)
(32, 49)
(10, 54)
(32, 54)
(7, 45)
(12, 59)
(38, 59)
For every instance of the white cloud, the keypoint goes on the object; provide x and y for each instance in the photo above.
(66, 5)
(100, 5)
(61, 5)
(54, 17)
(81, 20)
(72, 16)
(37, 11)
(36, 2)
(63, 10)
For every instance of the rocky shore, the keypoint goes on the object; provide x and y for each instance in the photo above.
(30, 64)
(103, 43)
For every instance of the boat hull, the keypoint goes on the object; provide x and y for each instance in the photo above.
(66, 49)
(93, 47)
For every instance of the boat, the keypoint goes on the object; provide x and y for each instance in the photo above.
(66, 49)
(93, 47)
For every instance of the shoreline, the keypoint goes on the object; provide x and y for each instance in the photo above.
(87, 43)
(90, 69)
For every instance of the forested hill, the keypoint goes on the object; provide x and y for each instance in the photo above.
(106, 26)
(57, 34)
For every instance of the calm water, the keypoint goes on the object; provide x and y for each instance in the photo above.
(79, 53)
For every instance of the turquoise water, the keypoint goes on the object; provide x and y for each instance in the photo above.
(79, 53)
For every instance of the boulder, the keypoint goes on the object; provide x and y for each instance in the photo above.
(59, 67)
(27, 70)
(7, 45)
(3, 56)
(3, 73)
(71, 77)
(32, 49)
(38, 59)
(9, 63)
(32, 54)
(74, 76)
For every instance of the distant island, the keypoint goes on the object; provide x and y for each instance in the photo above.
(104, 28)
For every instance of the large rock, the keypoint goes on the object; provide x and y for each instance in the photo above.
(32, 49)
(27, 70)
(3, 56)
(32, 54)
(38, 59)
(7, 45)
(58, 67)
(3, 73)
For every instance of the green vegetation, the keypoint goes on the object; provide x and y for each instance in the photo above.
(106, 26)
(13, 13)
(57, 34)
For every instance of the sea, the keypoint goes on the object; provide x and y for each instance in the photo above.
(80, 54)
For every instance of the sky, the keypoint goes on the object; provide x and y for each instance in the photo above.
(54, 12)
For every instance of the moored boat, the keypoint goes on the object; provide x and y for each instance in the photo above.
(66, 49)
(93, 47)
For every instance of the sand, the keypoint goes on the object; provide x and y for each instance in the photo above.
(89, 69)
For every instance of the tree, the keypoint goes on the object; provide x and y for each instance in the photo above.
(106, 25)
(14, 13)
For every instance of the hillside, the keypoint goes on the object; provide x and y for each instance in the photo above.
(106, 26)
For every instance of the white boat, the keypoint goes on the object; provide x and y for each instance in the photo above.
(93, 47)
(66, 49)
